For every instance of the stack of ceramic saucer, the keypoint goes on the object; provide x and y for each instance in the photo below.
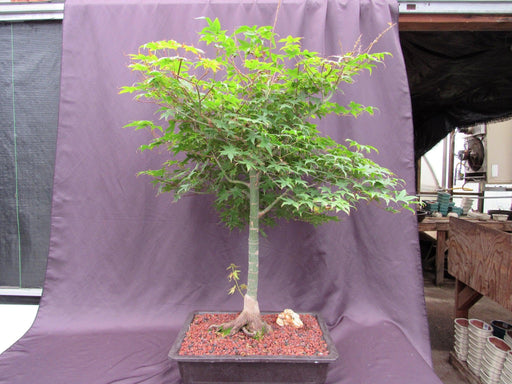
(478, 332)
(506, 372)
(493, 360)
(461, 338)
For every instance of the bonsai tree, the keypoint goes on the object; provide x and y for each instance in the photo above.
(239, 123)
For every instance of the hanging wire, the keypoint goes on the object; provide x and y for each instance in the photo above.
(15, 159)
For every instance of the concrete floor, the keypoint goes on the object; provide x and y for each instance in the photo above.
(440, 311)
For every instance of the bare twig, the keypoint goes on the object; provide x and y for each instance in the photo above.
(391, 25)
(277, 14)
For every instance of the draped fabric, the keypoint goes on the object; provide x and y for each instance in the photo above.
(126, 266)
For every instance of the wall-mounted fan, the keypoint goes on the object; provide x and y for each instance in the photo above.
(473, 157)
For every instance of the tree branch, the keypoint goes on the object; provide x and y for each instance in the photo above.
(230, 180)
(272, 205)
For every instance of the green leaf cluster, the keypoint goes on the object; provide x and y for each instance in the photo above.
(234, 276)
(250, 105)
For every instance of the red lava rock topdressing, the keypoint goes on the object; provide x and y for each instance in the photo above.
(284, 341)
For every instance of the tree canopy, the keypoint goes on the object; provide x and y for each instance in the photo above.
(252, 105)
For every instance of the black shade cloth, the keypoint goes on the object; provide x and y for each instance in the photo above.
(457, 79)
(126, 267)
(29, 92)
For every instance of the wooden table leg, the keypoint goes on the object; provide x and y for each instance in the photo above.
(465, 298)
(440, 255)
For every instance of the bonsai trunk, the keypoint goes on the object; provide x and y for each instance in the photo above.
(254, 232)
(249, 320)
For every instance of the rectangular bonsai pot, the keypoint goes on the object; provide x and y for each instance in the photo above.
(253, 369)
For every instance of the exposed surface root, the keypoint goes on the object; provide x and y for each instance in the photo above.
(249, 324)
(249, 321)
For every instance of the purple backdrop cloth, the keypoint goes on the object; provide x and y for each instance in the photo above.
(125, 267)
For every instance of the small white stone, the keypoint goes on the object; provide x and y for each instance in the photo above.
(289, 317)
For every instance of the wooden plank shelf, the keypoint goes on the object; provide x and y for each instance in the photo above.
(463, 368)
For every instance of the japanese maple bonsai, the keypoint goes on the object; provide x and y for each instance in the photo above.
(239, 123)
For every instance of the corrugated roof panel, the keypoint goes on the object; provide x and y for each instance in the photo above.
(10, 12)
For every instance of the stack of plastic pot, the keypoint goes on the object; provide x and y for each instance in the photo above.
(508, 337)
(467, 204)
(443, 199)
(478, 332)
(493, 360)
(506, 372)
(500, 328)
(461, 338)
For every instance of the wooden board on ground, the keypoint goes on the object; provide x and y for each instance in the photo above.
(463, 368)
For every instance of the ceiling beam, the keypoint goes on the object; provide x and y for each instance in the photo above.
(454, 22)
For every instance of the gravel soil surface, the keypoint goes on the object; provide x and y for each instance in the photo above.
(283, 341)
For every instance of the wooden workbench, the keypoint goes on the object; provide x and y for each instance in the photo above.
(441, 225)
(481, 261)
